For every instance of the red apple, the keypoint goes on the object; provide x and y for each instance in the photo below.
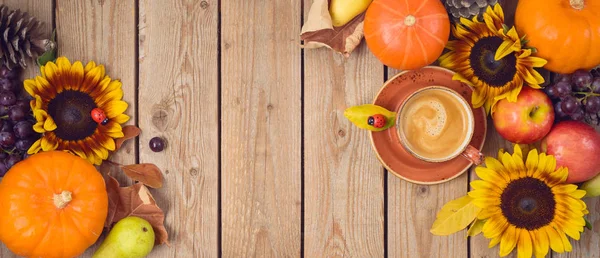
(526, 121)
(575, 145)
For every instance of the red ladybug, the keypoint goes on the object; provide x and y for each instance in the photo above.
(377, 121)
(99, 116)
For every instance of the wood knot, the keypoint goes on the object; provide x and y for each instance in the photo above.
(160, 119)
(270, 107)
(194, 172)
(166, 172)
(203, 4)
(226, 45)
(341, 133)
(423, 189)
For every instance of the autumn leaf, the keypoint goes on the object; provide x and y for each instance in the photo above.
(137, 201)
(476, 227)
(146, 173)
(359, 115)
(112, 188)
(318, 30)
(455, 216)
(130, 132)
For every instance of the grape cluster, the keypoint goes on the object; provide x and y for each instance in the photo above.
(16, 120)
(576, 96)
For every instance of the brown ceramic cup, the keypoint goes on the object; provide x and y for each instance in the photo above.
(465, 150)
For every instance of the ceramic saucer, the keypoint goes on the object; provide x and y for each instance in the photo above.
(387, 143)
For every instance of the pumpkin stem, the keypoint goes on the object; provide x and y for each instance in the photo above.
(410, 20)
(577, 4)
(62, 200)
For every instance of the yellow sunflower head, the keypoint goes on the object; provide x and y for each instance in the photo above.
(490, 57)
(63, 99)
(527, 204)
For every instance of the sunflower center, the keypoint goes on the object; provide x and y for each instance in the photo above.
(71, 113)
(494, 72)
(528, 203)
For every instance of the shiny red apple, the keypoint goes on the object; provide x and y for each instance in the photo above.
(575, 145)
(527, 120)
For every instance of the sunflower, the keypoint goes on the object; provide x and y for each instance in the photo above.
(527, 204)
(492, 58)
(63, 99)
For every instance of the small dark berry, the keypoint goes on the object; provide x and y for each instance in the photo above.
(157, 144)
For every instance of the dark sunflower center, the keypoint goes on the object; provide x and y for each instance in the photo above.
(495, 73)
(528, 203)
(71, 111)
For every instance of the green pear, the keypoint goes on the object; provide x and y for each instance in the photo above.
(592, 187)
(131, 237)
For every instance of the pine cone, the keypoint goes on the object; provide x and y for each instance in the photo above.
(467, 8)
(21, 37)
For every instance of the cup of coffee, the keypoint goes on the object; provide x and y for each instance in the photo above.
(436, 124)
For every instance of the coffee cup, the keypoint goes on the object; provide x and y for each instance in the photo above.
(436, 124)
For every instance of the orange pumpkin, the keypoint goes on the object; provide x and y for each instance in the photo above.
(407, 34)
(564, 32)
(52, 204)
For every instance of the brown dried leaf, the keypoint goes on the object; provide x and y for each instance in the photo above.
(146, 173)
(112, 188)
(318, 31)
(137, 201)
(130, 132)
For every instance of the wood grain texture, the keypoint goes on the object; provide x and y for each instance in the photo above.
(343, 184)
(411, 212)
(178, 100)
(42, 10)
(261, 128)
(103, 32)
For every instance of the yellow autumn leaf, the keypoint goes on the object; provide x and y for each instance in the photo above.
(476, 227)
(455, 216)
(359, 116)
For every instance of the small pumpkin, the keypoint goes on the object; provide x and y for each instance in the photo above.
(564, 32)
(52, 204)
(407, 35)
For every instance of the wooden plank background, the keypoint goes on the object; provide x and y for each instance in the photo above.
(260, 160)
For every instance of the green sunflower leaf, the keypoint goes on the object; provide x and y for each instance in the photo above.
(456, 215)
(588, 224)
(359, 116)
(49, 55)
(476, 227)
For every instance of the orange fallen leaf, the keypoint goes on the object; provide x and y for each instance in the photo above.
(136, 200)
(146, 173)
(112, 188)
(130, 132)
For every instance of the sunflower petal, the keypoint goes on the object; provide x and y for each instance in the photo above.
(541, 243)
(509, 240)
(532, 162)
(47, 144)
(555, 240)
(35, 147)
(121, 119)
(49, 124)
(525, 245)
(115, 108)
(494, 227)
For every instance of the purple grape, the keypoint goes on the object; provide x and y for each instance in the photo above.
(581, 79)
(157, 144)
(595, 86)
(7, 98)
(7, 73)
(24, 144)
(569, 105)
(3, 169)
(3, 155)
(578, 115)
(7, 139)
(23, 129)
(592, 104)
(558, 110)
(551, 91)
(26, 155)
(17, 113)
(12, 160)
(7, 126)
(7, 84)
(562, 78)
(563, 89)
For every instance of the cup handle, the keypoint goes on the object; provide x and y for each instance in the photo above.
(473, 154)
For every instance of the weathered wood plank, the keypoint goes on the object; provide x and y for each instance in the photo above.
(343, 180)
(261, 128)
(103, 32)
(412, 210)
(178, 100)
(42, 10)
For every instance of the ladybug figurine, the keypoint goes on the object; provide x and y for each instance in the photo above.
(99, 116)
(377, 121)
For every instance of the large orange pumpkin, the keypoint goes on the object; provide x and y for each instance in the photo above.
(565, 32)
(52, 204)
(407, 34)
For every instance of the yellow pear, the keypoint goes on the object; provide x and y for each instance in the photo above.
(343, 11)
(131, 237)
(592, 187)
